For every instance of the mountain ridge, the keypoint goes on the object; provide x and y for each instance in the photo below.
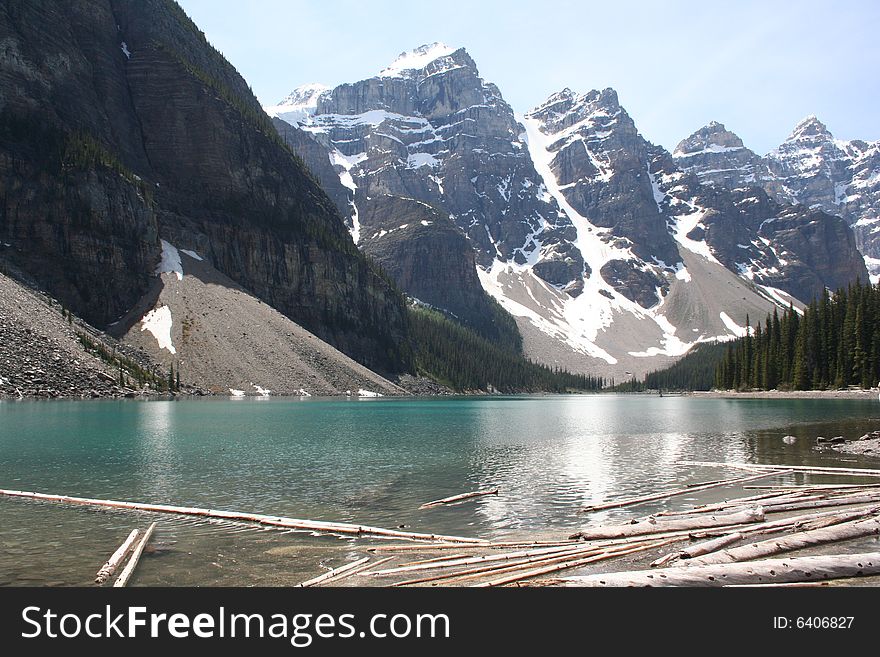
(615, 217)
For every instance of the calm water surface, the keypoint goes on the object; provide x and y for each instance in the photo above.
(365, 461)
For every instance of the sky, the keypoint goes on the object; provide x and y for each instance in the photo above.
(758, 67)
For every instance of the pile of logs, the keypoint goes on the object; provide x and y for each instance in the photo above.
(731, 543)
(734, 542)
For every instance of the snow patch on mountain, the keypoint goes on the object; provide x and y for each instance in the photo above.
(517, 289)
(170, 262)
(416, 59)
(299, 105)
(158, 322)
(192, 254)
(873, 265)
(733, 327)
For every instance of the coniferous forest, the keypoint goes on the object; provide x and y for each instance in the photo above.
(834, 344)
(458, 357)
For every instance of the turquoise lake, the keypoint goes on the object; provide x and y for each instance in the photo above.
(367, 461)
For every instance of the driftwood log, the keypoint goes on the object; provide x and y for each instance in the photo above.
(693, 488)
(797, 541)
(109, 568)
(127, 572)
(334, 572)
(862, 472)
(316, 526)
(652, 526)
(705, 547)
(459, 498)
(767, 571)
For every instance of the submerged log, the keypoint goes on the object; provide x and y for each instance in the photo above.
(109, 568)
(459, 498)
(676, 524)
(798, 541)
(127, 572)
(796, 569)
(317, 526)
(678, 491)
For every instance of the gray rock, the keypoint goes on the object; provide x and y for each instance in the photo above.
(811, 168)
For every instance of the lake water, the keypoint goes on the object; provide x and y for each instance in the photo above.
(368, 461)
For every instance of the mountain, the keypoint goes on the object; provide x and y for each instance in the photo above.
(811, 168)
(222, 339)
(120, 127)
(608, 251)
(430, 153)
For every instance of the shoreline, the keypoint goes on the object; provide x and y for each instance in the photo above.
(869, 394)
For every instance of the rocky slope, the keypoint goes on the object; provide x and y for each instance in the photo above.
(811, 168)
(226, 341)
(610, 252)
(120, 126)
(40, 353)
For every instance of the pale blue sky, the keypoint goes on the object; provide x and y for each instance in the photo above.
(756, 66)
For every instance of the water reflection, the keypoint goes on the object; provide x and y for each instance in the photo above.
(156, 449)
(370, 462)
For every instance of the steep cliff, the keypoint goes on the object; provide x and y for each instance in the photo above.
(121, 125)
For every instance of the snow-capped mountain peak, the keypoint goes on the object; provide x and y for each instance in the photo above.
(416, 59)
(809, 128)
(711, 138)
(599, 243)
(299, 104)
(305, 95)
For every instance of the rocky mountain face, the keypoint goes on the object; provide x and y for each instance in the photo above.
(811, 168)
(429, 128)
(219, 337)
(719, 157)
(612, 254)
(120, 126)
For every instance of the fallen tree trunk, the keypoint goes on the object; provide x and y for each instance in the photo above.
(672, 493)
(768, 571)
(272, 521)
(109, 568)
(676, 524)
(127, 572)
(459, 498)
(798, 541)
(823, 518)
